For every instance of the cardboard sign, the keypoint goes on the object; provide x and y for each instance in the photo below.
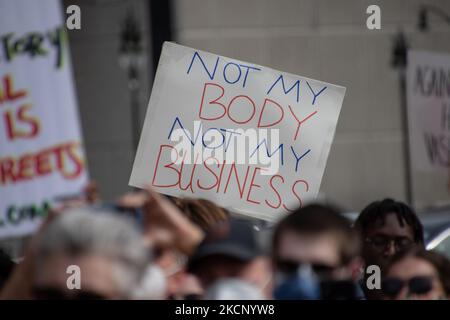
(41, 155)
(250, 138)
(428, 97)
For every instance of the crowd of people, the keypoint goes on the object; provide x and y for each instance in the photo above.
(149, 246)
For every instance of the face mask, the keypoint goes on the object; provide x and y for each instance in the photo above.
(304, 285)
(152, 286)
(233, 289)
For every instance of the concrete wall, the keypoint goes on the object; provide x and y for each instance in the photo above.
(103, 95)
(328, 40)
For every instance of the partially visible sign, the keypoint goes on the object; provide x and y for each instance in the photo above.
(41, 153)
(428, 98)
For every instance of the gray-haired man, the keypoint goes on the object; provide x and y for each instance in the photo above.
(104, 250)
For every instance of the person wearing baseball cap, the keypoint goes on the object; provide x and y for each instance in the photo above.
(231, 250)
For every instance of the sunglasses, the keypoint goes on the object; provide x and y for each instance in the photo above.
(290, 267)
(49, 293)
(381, 243)
(391, 286)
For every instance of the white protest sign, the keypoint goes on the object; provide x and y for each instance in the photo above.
(41, 155)
(250, 138)
(428, 98)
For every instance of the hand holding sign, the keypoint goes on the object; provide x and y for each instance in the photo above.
(161, 216)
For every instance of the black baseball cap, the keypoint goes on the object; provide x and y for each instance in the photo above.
(234, 238)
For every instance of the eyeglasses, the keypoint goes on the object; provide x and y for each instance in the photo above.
(392, 286)
(49, 293)
(381, 243)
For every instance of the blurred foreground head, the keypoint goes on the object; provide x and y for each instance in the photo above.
(417, 274)
(230, 250)
(315, 255)
(107, 249)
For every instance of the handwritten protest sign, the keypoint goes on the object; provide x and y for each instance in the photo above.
(250, 138)
(428, 95)
(41, 155)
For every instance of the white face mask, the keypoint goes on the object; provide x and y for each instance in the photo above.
(233, 289)
(153, 285)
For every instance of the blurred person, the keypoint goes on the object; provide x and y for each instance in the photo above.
(204, 214)
(162, 226)
(417, 274)
(108, 250)
(316, 255)
(18, 284)
(387, 227)
(175, 226)
(170, 234)
(230, 250)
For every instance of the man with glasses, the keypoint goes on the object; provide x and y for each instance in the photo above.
(387, 227)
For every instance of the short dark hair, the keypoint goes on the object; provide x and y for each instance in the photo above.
(439, 262)
(377, 212)
(318, 219)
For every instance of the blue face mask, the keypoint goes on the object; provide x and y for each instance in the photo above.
(304, 285)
